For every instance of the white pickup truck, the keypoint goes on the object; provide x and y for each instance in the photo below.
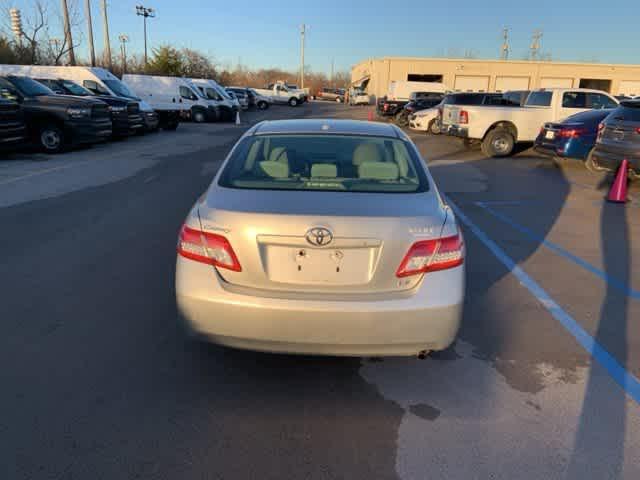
(499, 128)
(280, 93)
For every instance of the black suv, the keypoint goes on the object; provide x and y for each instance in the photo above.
(125, 113)
(55, 122)
(417, 101)
(12, 129)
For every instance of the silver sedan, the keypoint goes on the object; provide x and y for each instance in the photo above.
(322, 237)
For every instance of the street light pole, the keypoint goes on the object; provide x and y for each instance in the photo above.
(303, 30)
(123, 51)
(145, 13)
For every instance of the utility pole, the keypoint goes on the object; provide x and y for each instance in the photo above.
(92, 51)
(107, 43)
(303, 28)
(505, 49)
(535, 44)
(145, 13)
(123, 51)
(67, 32)
(333, 83)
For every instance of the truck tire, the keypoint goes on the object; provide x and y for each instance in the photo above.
(51, 139)
(434, 127)
(293, 102)
(198, 116)
(262, 105)
(499, 142)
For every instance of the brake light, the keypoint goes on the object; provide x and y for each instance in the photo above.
(571, 132)
(463, 116)
(385, 107)
(638, 130)
(432, 255)
(600, 126)
(209, 248)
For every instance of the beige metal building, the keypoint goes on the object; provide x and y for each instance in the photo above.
(466, 75)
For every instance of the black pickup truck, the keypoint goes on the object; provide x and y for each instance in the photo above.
(12, 129)
(55, 122)
(125, 113)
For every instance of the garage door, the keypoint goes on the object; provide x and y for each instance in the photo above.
(468, 83)
(550, 82)
(504, 84)
(629, 87)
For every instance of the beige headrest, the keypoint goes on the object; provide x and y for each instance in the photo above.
(275, 169)
(378, 171)
(324, 170)
(366, 152)
(279, 154)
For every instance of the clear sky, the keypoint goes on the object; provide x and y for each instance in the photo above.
(265, 33)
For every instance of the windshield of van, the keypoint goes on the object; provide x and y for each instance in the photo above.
(120, 89)
(325, 163)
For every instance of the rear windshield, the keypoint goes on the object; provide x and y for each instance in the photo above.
(464, 99)
(628, 112)
(539, 99)
(325, 163)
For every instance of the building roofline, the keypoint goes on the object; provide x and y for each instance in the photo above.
(496, 60)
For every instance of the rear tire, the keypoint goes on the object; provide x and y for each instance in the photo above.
(51, 139)
(262, 105)
(590, 165)
(434, 127)
(498, 143)
(293, 102)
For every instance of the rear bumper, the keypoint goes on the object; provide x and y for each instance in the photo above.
(611, 160)
(427, 320)
(456, 131)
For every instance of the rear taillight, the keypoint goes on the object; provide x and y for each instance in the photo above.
(385, 107)
(638, 130)
(432, 255)
(208, 248)
(571, 132)
(463, 116)
(600, 127)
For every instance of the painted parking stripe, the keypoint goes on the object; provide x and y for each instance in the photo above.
(626, 380)
(536, 237)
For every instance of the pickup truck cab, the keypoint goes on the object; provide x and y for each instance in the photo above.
(125, 113)
(12, 128)
(499, 128)
(280, 93)
(55, 122)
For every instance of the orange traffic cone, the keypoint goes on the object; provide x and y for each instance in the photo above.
(370, 116)
(618, 192)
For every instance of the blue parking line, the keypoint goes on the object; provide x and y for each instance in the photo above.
(629, 383)
(536, 237)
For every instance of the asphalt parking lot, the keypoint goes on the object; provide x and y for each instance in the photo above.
(99, 382)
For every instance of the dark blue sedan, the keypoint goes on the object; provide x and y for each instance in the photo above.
(574, 137)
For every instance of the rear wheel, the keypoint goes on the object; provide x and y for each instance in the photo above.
(262, 105)
(498, 143)
(293, 102)
(591, 165)
(51, 139)
(434, 127)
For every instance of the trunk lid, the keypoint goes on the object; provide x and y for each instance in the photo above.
(364, 237)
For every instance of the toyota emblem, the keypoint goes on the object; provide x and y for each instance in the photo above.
(319, 236)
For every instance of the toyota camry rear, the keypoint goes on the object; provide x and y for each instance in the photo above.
(322, 237)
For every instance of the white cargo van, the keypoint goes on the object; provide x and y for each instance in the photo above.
(213, 90)
(178, 91)
(399, 90)
(102, 83)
